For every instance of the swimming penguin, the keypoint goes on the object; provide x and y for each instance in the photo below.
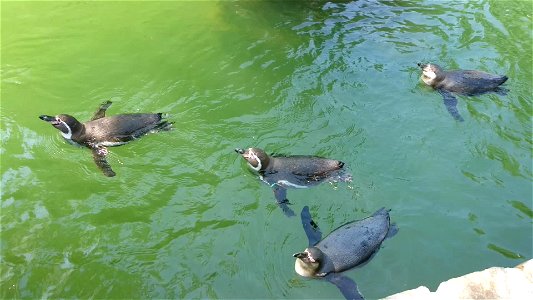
(464, 82)
(346, 247)
(292, 172)
(101, 131)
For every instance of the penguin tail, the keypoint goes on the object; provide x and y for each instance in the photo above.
(504, 79)
(163, 126)
(162, 116)
(501, 91)
(381, 211)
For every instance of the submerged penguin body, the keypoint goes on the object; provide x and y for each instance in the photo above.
(120, 129)
(345, 247)
(463, 82)
(102, 131)
(348, 246)
(298, 171)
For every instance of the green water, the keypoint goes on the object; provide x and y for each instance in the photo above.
(184, 218)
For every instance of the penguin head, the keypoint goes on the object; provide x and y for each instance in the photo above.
(257, 158)
(308, 262)
(64, 123)
(431, 73)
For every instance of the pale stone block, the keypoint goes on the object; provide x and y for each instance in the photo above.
(420, 292)
(493, 283)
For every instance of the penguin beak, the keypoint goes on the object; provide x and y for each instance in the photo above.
(240, 151)
(300, 255)
(49, 119)
(421, 65)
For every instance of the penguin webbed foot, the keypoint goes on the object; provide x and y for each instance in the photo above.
(163, 126)
(100, 113)
(346, 286)
(393, 230)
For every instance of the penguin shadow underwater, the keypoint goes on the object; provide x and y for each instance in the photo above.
(102, 132)
(297, 171)
(350, 245)
(462, 82)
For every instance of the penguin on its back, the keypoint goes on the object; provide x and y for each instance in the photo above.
(101, 131)
(298, 171)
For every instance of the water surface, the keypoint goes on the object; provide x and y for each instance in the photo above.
(184, 218)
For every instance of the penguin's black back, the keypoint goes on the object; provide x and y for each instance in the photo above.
(123, 128)
(305, 165)
(470, 82)
(354, 242)
(301, 170)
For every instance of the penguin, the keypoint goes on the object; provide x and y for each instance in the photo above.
(346, 247)
(298, 171)
(463, 82)
(102, 132)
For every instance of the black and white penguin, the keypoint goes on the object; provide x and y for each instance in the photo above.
(299, 171)
(463, 82)
(346, 247)
(102, 131)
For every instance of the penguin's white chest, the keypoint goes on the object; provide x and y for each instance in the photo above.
(286, 183)
(110, 144)
(303, 269)
(283, 183)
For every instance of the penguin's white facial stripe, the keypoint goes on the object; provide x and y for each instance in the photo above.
(67, 135)
(311, 259)
(252, 155)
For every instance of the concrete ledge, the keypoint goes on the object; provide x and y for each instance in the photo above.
(492, 283)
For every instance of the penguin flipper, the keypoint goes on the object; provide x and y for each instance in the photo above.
(451, 104)
(281, 198)
(346, 285)
(314, 235)
(99, 156)
(100, 113)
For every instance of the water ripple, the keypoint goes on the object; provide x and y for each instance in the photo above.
(184, 218)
